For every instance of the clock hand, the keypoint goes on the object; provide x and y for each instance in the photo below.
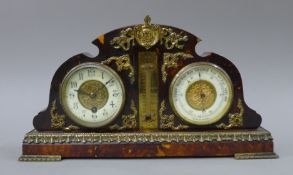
(97, 92)
(101, 88)
(109, 81)
(91, 95)
(82, 92)
(94, 95)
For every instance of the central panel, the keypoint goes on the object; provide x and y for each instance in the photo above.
(148, 90)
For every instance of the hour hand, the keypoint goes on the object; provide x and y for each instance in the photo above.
(79, 91)
(92, 95)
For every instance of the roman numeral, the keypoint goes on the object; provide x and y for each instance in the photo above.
(91, 72)
(80, 76)
(73, 84)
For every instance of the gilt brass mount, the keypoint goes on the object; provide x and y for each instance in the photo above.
(170, 61)
(167, 121)
(35, 137)
(123, 63)
(235, 119)
(128, 121)
(147, 35)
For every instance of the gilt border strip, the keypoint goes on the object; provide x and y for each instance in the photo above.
(35, 137)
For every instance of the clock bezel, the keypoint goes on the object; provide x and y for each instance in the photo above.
(213, 119)
(72, 116)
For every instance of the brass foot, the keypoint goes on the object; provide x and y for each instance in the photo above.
(39, 158)
(260, 155)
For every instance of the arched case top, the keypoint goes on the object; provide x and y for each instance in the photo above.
(167, 50)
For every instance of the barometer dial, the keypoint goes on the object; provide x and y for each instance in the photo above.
(201, 93)
(92, 94)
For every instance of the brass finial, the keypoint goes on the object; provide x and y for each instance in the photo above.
(147, 20)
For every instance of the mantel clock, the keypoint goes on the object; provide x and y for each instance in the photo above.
(147, 94)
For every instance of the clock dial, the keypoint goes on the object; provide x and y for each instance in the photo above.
(92, 94)
(201, 93)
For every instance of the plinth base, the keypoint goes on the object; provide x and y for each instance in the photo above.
(54, 146)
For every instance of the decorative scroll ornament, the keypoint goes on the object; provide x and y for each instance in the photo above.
(172, 39)
(128, 121)
(167, 121)
(235, 119)
(170, 61)
(123, 63)
(58, 121)
(147, 35)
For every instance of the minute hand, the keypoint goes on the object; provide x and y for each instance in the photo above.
(97, 92)
(109, 81)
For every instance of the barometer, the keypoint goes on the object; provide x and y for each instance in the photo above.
(147, 94)
(201, 93)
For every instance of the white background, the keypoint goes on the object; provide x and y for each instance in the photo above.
(37, 36)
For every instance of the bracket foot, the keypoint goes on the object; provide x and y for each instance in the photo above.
(39, 158)
(260, 155)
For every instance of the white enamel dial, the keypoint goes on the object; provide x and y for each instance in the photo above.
(92, 94)
(201, 93)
